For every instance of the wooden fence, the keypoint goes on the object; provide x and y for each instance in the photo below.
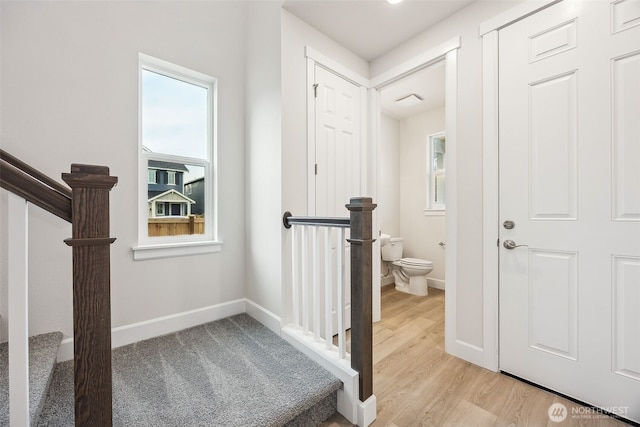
(176, 226)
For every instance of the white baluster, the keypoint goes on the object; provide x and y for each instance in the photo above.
(295, 283)
(316, 285)
(341, 307)
(305, 280)
(327, 288)
(18, 292)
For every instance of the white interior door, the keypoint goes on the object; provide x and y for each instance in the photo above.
(337, 143)
(570, 183)
(337, 149)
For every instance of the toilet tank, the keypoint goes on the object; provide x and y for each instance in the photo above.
(392, 251)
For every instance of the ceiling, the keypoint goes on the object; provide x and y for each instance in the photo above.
(427, 83)
(370, 28)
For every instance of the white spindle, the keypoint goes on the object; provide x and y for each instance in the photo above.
(342, 347)
(18, 292)
(328, 318)
(316, 284)
(295, 283)
(305, 280)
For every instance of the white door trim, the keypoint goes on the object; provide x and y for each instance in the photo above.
(447, 52)
(490, 184)
(516, 13)
(416, 63)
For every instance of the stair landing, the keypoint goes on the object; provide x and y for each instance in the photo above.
(232, 372)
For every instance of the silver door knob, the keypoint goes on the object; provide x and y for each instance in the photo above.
(510, 244)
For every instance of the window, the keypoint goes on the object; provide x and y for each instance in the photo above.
(176, 146)
(436, 152)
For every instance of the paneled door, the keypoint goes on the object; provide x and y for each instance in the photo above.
(337, 150)
(570, 201)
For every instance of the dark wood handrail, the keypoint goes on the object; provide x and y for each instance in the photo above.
(34, 186)
(86, 207)
(288, 220)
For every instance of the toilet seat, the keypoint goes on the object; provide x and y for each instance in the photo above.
(415, 262)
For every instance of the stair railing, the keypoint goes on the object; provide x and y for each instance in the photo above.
(319, 304)
(86, 207)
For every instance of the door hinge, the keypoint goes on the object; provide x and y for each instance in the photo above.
(316, 169)
(315, 90)
(498, 243)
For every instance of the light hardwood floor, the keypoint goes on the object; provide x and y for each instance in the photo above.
(417, 384)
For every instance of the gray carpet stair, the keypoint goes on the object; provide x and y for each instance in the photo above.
(43, 350)
(232, 372)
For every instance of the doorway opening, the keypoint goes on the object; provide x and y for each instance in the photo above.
(442, 59)
(412, 175)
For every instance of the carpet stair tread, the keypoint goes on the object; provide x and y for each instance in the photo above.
(43, 350)
(231, 372)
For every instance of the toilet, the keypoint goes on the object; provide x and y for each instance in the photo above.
(410, 274)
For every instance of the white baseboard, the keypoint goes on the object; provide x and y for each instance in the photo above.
(128, 334)
(387, 280)
(436, 283)
(264, 316)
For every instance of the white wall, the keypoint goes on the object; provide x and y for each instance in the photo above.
(421, 233)
(469, 321)
(295, 36)
(263, 162)
(69, 82)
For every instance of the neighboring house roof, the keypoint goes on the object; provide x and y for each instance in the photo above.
(171, 196)
(195, 180)
(156, 164)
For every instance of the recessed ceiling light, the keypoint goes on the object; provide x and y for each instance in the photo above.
(409, 100)
(393, 1)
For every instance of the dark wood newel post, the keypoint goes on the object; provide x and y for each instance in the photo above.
(361, 240)
(90, 187)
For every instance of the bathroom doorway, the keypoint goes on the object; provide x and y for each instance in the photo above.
(402, 178)
(411, 169)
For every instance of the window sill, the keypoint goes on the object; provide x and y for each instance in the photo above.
(170, 250)
(434, 212)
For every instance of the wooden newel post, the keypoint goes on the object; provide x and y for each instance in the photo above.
(90, 187)
(361, 293)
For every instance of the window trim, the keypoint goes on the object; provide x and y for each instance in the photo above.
(155, 176)
(171, 176)
(170, 246)
(431, 175)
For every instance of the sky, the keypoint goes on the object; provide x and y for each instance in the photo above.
(174, 116)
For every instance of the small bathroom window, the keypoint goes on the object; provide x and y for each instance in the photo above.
(436, 152)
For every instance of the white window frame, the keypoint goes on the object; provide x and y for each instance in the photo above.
(155, 176)
(171, 178)
(432, 208)
(170, 246)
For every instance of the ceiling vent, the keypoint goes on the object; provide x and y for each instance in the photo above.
(409, 100)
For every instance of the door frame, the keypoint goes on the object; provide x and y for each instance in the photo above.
(490, 170)
(447, 52)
